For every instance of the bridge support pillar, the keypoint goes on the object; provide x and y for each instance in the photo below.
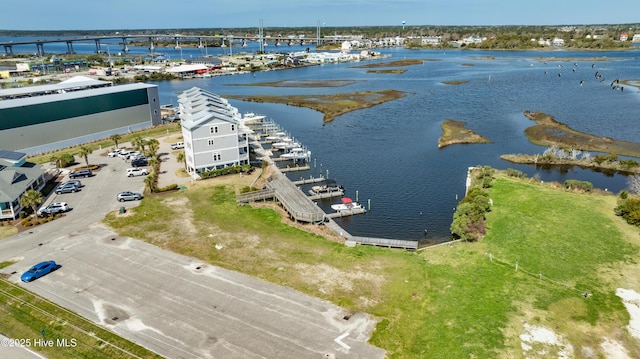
(151, 47)
(70, 48)
(8, 49)
(98, 49)
(125, 48)
(40, 47)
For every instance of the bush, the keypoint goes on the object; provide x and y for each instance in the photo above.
(171, 187)
(576, 184)
(515, 173)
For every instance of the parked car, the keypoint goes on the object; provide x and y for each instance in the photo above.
(124, 154)
(81, 173)
(177, 145)
(137, 171)
(114, 153)
(75, 182)
(39, 270)
(138, 162)
(53, 208)
(67, 188)
(128, 196)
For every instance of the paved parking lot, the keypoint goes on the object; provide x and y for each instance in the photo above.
(169, 303)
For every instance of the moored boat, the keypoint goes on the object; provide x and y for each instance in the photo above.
(347, 205)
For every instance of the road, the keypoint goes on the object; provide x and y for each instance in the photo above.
(174, 305)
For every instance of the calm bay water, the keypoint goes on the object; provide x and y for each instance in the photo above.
(388, 153)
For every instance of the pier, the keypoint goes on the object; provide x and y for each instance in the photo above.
(301, 207)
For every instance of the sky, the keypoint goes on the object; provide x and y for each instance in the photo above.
(186, 14)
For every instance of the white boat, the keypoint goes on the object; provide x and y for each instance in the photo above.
(326, 188)
(347, 205)
(296, 153)
(285, 144)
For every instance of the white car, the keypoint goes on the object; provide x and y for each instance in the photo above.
(53, 208)
(114, 153)
(132, 172)
(177, 145)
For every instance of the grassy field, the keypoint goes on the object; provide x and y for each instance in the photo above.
(452, 301)
(29, 318)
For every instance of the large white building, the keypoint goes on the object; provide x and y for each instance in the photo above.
(214, 136)
(39, 119)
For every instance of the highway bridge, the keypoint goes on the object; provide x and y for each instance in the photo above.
(151, 39)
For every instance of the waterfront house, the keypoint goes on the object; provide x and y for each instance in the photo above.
(213, 134)
(16, 177)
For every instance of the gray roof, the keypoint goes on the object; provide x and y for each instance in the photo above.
(11, 155)
(28, 101)
(15, 180)
(72, 84)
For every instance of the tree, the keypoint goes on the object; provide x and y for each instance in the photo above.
(153, 163)
(84, 152)
(150, 182)
(182, 157)
(57, 160)
(32, 198)
(115, 138)
(153, 145)
(139, 143)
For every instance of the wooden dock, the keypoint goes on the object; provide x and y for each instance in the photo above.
(295, 168)
(337, 193)
(294, 201)
(308, 180)
(388, 243)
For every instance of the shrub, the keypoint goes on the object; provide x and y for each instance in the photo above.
(171, 187)
(43, 221)
(576, 184)
(515, 173)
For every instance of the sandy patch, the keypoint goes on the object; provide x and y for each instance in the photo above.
(614, 350)
(328, 279)
(540, 342)
(631, 301)
(184, 216)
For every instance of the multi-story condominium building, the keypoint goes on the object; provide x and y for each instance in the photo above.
(214, 136)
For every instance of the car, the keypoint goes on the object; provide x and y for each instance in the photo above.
(138, 162)
(129, 196)
(39, 270)
(137, 171)
(66, 188)
(114, 152)
(124, 154)
(53, 208)
(75, 182)
(81, 173)
(177, 145)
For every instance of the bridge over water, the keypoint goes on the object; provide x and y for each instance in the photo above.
(151, 39)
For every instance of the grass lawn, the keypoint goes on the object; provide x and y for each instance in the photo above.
(453, 301)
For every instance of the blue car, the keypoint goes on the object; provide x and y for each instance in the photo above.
(39, 270)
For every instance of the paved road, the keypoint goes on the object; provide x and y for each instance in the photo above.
(169, 303)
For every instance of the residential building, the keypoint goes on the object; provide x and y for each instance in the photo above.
(43, 118)
(16, 177)
(213, 133)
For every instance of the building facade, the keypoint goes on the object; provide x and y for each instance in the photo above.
(39, 119)
(213, 133)
(16, 177)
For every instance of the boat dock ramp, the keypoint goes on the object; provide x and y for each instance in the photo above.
(300, 206)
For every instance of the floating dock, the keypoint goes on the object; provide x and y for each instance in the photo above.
(295, 168)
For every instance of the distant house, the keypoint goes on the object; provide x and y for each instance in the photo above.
(213, 134)
(557, 41)
(635, 38)
(16, 177)
(624, 37)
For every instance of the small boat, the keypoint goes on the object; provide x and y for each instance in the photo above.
(347, 205)
(329, 187)
(285, 144)
(296, 153)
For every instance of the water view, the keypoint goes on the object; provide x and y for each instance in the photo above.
(387, 155)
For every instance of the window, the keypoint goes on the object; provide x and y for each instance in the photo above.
(213, 129)
(210, 142)
(233, 127)
(216, 156)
